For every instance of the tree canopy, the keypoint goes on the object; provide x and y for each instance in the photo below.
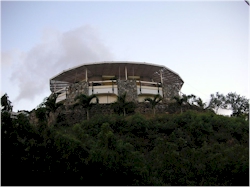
(191, 148)
(157, 98)
(85, 101)
(238, 104)
(122, 106)
(6, 103)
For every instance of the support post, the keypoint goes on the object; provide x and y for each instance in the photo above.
(126, 73)
(112, 86)
(92, 88)
(86, 74)
(140, 86)
(161, 76)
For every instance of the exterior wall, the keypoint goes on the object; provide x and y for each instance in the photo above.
(145, 108)
(135, 92)
(130, 87)
(169, 91)
(75, 90)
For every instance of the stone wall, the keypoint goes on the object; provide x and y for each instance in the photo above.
(32, 117)
(169, 91)
(75, 90)
(71, 116)
(128, 86)
(78, 114)
(145, 108)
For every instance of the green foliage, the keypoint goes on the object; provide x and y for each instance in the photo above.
(191, 148)
(6, 103)
(41, 114)
(137, 125)
(200, 103)
(85, 102)
(121, 106)
(184, 100)
(238, 104)
(50, 103)
(217, 101)
(154, 102)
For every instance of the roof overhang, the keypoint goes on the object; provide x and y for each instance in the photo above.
(116, 69)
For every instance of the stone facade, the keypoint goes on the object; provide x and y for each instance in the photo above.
(78, 114)
(75, 90)
(71, 116)
(128, 86)
(169, 91)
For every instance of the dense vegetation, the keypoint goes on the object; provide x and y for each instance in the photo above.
(185, 148)
(179, 149)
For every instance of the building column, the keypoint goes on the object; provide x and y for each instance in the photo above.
(126, 73)
(161, 77)
(86, 74)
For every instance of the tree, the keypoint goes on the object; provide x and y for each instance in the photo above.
(154, 102)
(200, 103)
(238, 104)
(191, 99)
(48, 105)
(121, 106)
(85, 102)
(51, 104)
(6, 103)
(184, 99)
(217, 101)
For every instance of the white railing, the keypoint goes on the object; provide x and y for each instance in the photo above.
(145, 87)
(110, 87)
(108, 81)
(103, 89)
(149, 90)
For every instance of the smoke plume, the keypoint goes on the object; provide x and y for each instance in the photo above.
(56, 52)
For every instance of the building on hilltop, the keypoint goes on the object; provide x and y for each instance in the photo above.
(109, 79)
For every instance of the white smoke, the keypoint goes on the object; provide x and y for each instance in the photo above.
(56, 52)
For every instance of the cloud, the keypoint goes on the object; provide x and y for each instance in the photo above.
(56, 52)
(6, 58)
(9, 57)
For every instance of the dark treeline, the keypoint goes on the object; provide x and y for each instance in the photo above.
(188, 148)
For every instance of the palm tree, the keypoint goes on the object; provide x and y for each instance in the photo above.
(85, 102)
(182, 100)
(154, 102)
(51, 104)
(121, 105)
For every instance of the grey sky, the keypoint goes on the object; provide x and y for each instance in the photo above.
(206, 43)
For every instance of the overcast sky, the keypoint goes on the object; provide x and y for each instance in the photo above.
(206, 43)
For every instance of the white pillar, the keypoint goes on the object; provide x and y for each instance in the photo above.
(86, 74)
(161, 77)
(126, 73)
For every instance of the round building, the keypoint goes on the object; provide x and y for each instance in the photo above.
(110, 79)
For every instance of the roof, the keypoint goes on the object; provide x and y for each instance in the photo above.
(117, 69)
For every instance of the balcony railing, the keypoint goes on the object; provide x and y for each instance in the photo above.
(103, 87)
(150, 88)
(110, 87)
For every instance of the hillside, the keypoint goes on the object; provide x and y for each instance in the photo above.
(191, 148)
